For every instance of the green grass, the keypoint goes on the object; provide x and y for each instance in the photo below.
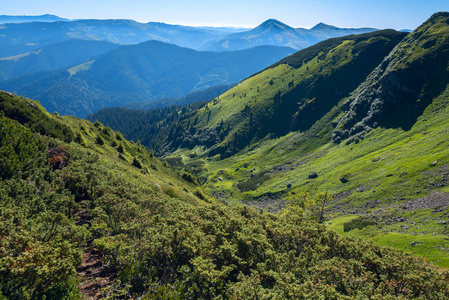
(389, 166)
(406, 155)
(421, 242)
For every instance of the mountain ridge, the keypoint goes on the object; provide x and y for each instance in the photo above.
(23, 19)
(25, 37)
(277, 33)
(143, 72)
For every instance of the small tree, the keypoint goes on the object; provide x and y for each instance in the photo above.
(100, 140)
(297, 206)
(137, 163)
(120, 149)
(318, 208)
(305, 207)
(97, 124)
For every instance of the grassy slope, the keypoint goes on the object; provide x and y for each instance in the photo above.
(302, 81)
(160, 240)
(390, 166)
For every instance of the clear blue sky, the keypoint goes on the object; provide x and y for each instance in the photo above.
(397, 14)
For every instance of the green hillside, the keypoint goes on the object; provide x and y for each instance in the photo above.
(289, 96)
(85, 213)
(363, 117)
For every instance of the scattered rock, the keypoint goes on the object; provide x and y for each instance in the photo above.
(289, 185)
(313, 175)
(219, 178)
(435, 163)
(412, 243)
(7, 93)
(343, 179)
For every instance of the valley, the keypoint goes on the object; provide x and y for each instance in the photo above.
(260, 142)
(281, 163)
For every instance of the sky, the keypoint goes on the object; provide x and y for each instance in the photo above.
(396, 14)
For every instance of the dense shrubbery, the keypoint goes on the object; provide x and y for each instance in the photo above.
(358, 223)
(204, 252)
(253, 182)
(29, 114)
(39, 242)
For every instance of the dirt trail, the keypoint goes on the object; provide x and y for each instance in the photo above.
(93, 273)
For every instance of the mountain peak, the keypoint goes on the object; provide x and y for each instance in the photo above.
(272, 23)
(323, 26)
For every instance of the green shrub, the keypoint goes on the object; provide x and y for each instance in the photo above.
(253, 182)
(99, 140)
(358, 223)
(170, 192)
(137, 163)
(189, 178)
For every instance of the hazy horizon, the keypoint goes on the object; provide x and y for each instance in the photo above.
(242, 14)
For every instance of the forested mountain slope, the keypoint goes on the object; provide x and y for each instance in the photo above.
(52, 57)
(143, 72)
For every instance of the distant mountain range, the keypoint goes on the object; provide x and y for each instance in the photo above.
(24, 19)
(273, 32)
(78, 66)
(142, 72)
(18, 38)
